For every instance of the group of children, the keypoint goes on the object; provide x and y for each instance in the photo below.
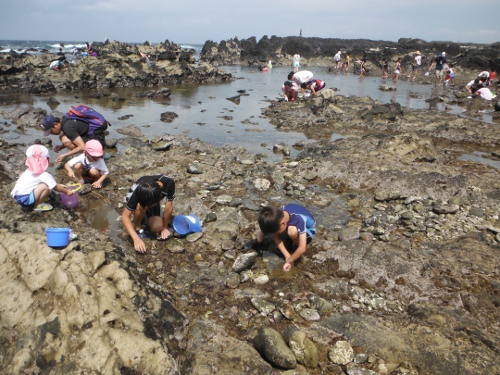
(479, 87)
(33, 186)
(292, 226)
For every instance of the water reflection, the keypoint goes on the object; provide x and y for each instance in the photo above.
(205, 113)
(483, 158)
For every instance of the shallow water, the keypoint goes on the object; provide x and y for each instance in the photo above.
(481, 157)
(205, 113)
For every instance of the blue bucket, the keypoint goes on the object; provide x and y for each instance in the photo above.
(57, 237)
(186, 224)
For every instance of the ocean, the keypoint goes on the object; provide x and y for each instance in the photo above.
(38, 46)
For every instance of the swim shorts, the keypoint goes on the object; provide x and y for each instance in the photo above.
(26, 200)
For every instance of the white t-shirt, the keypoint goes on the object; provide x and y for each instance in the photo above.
(418, 60)
(337, 57)
(302, 76)
(99, 164)
(28, 182)
(485, 93)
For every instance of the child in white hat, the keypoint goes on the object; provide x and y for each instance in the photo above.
(35, 183)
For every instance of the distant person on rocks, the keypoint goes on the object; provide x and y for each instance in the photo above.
(89, 166)
(415, 66)
(493, 75)
(362, 69)
(143, 203)
(385, 68)
(397, 69)
(473, 86)
(296, 61)
(337, 58)
(347, 62)
(301, 77)
(293, 228)
(484, 76)
(314, 86)
(36, 183)
(56, 65)
(290, 91)
(484, 93)
(449, 79)
(61, 55)
(438, 63)
(146, 58)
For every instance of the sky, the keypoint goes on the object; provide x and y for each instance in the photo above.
(196, 21)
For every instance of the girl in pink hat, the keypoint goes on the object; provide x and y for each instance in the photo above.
(35, 183)
(89, 165)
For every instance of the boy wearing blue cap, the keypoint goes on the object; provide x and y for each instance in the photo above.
(143, 202)
(293, 227)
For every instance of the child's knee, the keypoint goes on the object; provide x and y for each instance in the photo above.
(94, 173)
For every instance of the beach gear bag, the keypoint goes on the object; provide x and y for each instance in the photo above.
(97, 122)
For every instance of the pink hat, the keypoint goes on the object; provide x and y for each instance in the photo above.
(37, 159)
(94, 148)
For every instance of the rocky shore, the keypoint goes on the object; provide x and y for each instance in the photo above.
(402, 277)
(320, 52)
(117, 65)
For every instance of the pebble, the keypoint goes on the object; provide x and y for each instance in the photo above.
(224, 199)
(261, 280)
(262, 184)
(311, 315)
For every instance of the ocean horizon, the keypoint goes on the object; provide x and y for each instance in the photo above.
(52, 46)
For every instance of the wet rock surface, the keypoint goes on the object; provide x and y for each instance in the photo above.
(402, 277)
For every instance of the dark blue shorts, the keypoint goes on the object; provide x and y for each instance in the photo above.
(27, 200)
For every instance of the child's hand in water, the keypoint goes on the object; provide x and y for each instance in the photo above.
(287, 266)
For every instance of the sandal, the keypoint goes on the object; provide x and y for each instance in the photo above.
(43, 207)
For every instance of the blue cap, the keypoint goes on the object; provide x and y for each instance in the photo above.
(47, 122)
(186, 224)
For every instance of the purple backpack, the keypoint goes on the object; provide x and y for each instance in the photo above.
(88, 115)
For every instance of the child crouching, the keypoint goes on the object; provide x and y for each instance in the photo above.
(291, 223)
(35, 183)
(89, 165)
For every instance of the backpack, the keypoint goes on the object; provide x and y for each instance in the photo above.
(86, 114)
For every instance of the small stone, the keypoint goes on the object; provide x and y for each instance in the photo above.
(262, 306)
(310, 315)
(261, 280)
(341, 353)
(262, 184)
(233, 280)
(224, 199)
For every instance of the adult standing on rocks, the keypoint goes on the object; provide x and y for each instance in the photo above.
(439, 62)
(417, 61)
(337, 59)
(296, 61)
